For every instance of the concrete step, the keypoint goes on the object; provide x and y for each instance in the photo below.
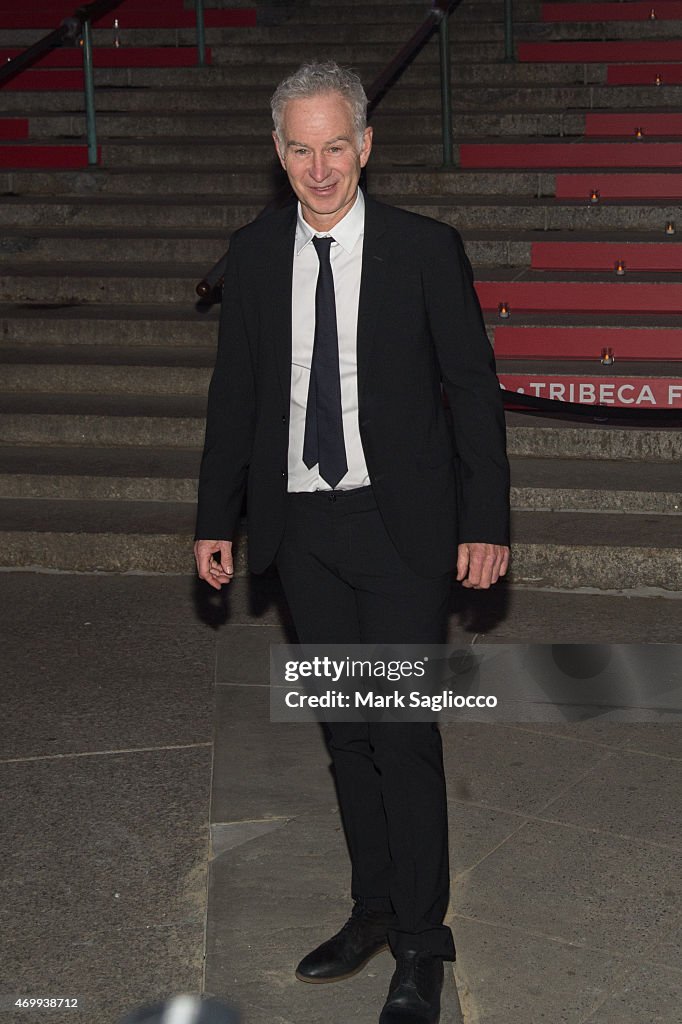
(580, 485)
(522, 290)
(243, 184)
(170, 421)
(612, 552)
(92, 420)
(410, 13)
(237, 153)
(469, 28)
(233, 104)
(64, 245)
(130, 212)
(564, 250)
(543, 214)
(110, 282)
(265, 77)
(111, 245)
(139, 371)
(97, 324)
(467, 213)
(158, 474)
(535, 436)
(107, 370)
(99, 474)
(202, 115)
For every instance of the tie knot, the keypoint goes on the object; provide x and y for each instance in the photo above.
(322, 245)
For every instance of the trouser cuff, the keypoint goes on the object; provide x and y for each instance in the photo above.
(436, 941)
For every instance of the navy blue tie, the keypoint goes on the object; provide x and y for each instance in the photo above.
(323, 442)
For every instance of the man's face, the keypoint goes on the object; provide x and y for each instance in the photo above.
(320, 155)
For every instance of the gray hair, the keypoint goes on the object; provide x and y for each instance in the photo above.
(313, 80)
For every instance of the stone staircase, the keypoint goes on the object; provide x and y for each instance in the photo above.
(106, 356)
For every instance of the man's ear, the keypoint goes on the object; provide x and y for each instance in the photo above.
(279, 151)
(366, 145)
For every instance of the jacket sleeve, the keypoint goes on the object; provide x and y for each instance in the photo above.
(470, 382)
(230, 417)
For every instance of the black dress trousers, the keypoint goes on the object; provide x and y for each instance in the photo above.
(345, 583)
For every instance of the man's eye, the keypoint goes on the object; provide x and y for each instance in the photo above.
(300, 152)
(335, 149)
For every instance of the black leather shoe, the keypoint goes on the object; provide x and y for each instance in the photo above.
(414, 992)
(363, 936)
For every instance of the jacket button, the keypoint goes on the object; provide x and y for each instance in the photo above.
(284, 419)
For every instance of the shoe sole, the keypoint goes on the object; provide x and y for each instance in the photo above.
(342, 977)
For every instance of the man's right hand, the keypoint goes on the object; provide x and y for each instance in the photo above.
(214, 572)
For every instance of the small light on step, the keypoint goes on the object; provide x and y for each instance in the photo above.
(117, 34)
(620, 268)
(639, 134)
(607, 357)
(670, 227)
(652, 14)
(504, 311)
(658, 80)
(595, 195)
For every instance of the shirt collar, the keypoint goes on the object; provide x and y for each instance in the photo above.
(347, 232)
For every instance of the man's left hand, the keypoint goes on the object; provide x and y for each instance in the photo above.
(481, 565)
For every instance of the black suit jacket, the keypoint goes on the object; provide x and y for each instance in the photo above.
(436, 482)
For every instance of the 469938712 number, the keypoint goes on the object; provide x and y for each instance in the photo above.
(46, 1003)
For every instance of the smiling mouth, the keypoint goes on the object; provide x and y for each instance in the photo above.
(323, 190)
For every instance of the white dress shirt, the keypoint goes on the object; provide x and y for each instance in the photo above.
(346, 263)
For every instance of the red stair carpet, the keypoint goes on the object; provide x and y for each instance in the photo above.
(665, 10)
(572, 154)
(623, 51)
(67, 157)
(631, 343)
(659, 74)
(618, 296)
(133, 14)
(115, 57)
(647, 256)
(13, 128)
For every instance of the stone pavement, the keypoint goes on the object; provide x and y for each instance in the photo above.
(161, 835)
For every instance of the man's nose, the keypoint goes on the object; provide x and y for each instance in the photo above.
(319, 168)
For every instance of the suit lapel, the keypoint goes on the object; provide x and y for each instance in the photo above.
(276, 296)
(375, 260)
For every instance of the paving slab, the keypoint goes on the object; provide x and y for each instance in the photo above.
(265, 770)
(652, 994)
(505, 978)
(516, 778)
(628, 795)
(104, 879)
(87, 689)
(590, 889)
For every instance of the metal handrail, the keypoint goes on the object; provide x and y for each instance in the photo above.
(210, 286)
(79, 25)
(68, 32)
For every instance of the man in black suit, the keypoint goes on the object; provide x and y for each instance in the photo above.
(343, 320)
